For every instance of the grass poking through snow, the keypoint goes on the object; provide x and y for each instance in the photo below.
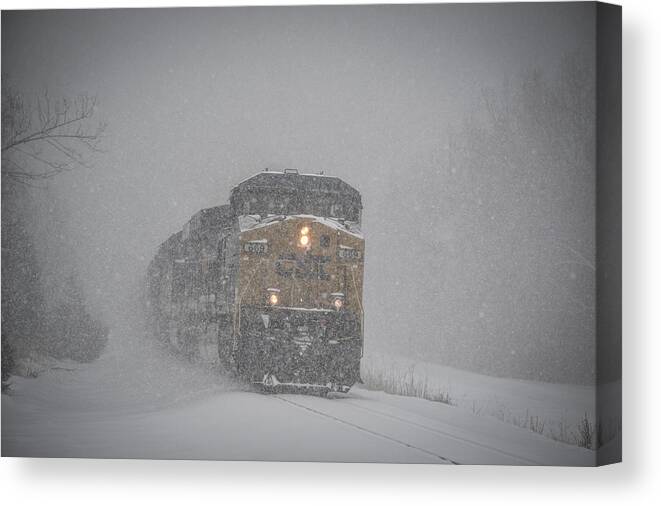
(395, 379)
(408, 384)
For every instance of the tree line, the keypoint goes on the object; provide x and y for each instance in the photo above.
(43, 137)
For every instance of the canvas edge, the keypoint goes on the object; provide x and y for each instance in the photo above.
(608, 223)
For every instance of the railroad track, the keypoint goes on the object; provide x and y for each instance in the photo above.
(443, 433)
(367, 430)
(415, 426)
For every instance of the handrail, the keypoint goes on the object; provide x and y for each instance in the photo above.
(362, 312)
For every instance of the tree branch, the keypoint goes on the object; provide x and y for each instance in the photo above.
(29, 133)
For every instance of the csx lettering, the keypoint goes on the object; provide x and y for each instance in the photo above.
(302, 266)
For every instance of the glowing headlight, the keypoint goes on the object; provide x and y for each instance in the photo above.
(304, 237)
(273, 296)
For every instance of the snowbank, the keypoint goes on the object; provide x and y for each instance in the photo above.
(554, 410)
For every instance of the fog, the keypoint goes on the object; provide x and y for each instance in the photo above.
(465, 265)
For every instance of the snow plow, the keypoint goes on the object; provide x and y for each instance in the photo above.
(269, 286)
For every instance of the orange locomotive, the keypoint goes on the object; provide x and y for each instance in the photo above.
(270, 285)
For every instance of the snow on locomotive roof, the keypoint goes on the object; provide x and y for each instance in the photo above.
(253, 221)
(275, 172)
(291, 177)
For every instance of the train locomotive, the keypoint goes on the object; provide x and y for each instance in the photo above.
(268, 286)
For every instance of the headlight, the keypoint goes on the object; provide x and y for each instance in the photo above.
(304, 236)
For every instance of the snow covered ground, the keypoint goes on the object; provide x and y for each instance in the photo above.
(555, 410)
(137, 401)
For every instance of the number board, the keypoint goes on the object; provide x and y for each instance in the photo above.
(257, 248)
(348, 254)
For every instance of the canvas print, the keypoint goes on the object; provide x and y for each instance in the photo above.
(385, 233)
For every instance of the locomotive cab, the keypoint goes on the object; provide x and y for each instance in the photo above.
(298, 307)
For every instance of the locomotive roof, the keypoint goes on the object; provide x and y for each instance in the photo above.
(210, 217)
(251, 222)
(291, 179)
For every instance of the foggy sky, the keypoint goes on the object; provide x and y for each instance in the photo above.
(198, 99)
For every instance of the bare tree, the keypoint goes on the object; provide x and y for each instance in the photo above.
(45, 136)
(42, 137)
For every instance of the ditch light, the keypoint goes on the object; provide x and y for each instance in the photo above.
(338, 300)
(273, 296)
